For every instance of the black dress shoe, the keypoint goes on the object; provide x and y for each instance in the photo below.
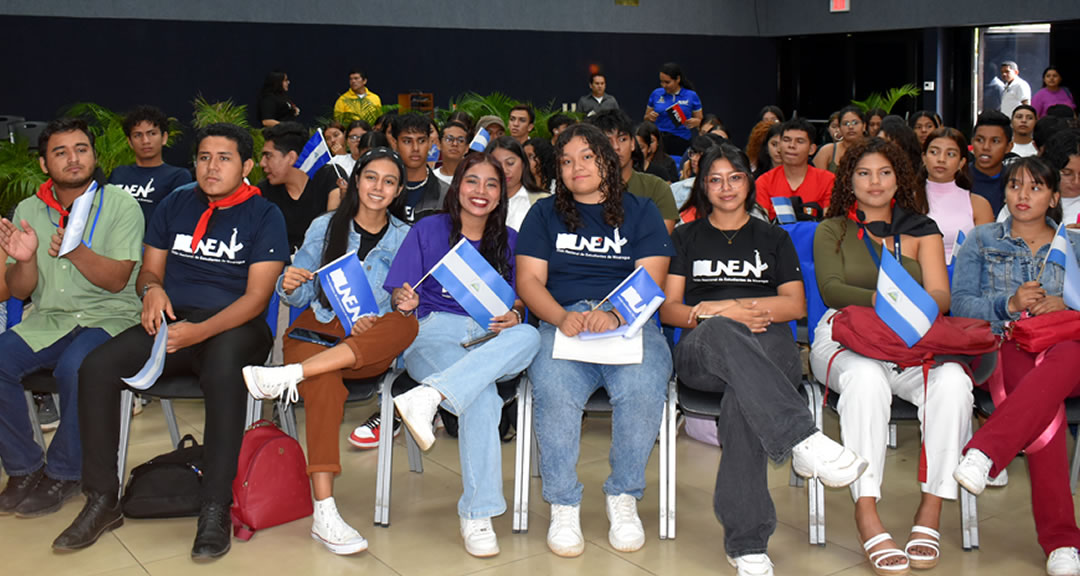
(17, 489)
(47, 497)
(100, 514)
(213, 537)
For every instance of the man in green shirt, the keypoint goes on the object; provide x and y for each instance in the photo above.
(618, 127)
(81, 299)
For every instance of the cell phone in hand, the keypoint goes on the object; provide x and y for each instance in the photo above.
(320, 338)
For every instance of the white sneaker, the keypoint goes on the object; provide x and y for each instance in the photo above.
(626, 533)
(266, 382)
(479, 536)
(1063, 562)
(564, 533)
(999, 481)
(330, 529)
(972, 471)
(417, 409)
(822, 457)
(752, 565)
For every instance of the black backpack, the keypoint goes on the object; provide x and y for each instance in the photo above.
(168, 486)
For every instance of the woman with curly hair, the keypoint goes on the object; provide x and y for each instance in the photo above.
(875, 206)
(759, 136)
(574, 248)
(461, 378)
(541, 155)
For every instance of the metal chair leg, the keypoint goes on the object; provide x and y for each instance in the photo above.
(35, 424)
(170, 420)
(416, 459)
(127, 398)
(664, 472)
(672, 432)
(892, 435)
(1075, 472)
(815, 490)
(386, 443)
(521, 461)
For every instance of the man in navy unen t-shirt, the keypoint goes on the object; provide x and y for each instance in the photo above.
(212, 256)
(149, 179)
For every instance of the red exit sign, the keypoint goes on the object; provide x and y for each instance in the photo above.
(839, 5)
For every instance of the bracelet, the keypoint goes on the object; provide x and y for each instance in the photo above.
(618, 318)
(518, 314)
(146, 289)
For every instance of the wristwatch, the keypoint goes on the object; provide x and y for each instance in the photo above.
(146, 288)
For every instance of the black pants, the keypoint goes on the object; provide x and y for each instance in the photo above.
(762, 417)
(216, 362)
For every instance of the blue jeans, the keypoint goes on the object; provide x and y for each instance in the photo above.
(560, 390)
(467, 379)
(20, 454)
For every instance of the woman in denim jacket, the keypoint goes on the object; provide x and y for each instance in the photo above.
(367, 224)
(1015, 280)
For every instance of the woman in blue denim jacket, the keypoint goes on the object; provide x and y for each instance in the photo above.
(1003, 274)
(365, 224)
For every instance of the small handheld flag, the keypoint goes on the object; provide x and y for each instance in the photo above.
(637, 298)
(77, 219)
(155, 364)
(956, 245)
(473, 283)
(1062, 253)
(314, 155)
(346, 287)
(902, 303)
(433, 153)
(675, 112)
(480, 141)
(785, 211)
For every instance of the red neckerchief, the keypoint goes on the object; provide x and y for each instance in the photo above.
(45, 193)
(242, 194)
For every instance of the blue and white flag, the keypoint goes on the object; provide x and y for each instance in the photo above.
(785, 211)
(480, 141)
(1062, 254)
(956, 246)
(151, 371)
(433, 153)
(346, 287)
(637, 298)
(902, 303)
(473, 283)
(78, 218)
(314, 155)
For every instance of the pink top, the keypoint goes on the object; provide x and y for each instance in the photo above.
(950, 208)
(1044, 99)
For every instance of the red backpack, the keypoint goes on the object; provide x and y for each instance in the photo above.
(271, 485)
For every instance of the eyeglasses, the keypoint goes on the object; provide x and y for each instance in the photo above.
(1070, 175)
(852, 123)
(734, 180)
(355, 138)
(454, 139)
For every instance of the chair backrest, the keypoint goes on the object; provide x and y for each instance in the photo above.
(802, 236)
(14, 308)
(29, 130)
(6, 123)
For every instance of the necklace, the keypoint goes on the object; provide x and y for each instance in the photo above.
(731, 238)
(421, 184)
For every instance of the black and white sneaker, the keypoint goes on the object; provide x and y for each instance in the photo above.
(48, 416)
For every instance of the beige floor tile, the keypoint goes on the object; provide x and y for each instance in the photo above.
(25, 546)
(595, 560)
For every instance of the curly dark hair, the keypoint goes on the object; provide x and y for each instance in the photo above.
(495, 245)
(611, 184)
(907, 191)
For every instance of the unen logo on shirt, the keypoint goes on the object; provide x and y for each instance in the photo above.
(592, 246)
(730, 269)
(210, 249)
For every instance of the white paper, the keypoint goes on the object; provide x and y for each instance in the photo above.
(614, 351)
(77, 218)
(151, 371)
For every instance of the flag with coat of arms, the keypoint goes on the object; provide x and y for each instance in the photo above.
(1062, 253)
(901, 303)
(315, 154)
(474, 283)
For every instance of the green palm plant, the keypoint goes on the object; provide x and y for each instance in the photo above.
(499, 104)
(207, 113)
(20, 174)
(886, 102)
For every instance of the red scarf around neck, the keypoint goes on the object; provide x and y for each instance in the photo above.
(242, 194)
(854, 216)
(45, 193)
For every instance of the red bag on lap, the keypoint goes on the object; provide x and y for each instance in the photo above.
(861, 330)
(1037, 333)
(271, 485)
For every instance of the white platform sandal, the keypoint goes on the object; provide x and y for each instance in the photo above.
(876, 558)
(924, 562)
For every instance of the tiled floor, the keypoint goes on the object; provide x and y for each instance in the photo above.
(424, 536)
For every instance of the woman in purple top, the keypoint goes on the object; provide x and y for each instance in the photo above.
(1051, 93)
(451, 369)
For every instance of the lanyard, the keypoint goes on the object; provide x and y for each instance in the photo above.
(89, 242)
(873, 254)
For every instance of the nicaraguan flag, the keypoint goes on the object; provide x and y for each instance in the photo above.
(480, 141)
(785, 211)
(956, 246)
(314, 155)
(346, 287)
(474, 283)
(1062, 254)
(902, 303)
(637, 298)
(155, 364)
(433, 153)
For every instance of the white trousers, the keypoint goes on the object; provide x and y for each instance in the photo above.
(866, 388)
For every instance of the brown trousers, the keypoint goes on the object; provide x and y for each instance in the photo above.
(324, 396)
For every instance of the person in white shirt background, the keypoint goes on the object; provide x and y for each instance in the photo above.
(1017, 90)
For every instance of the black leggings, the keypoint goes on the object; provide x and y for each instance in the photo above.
(216, 362)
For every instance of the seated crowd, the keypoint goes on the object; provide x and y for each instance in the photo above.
(563, 221)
